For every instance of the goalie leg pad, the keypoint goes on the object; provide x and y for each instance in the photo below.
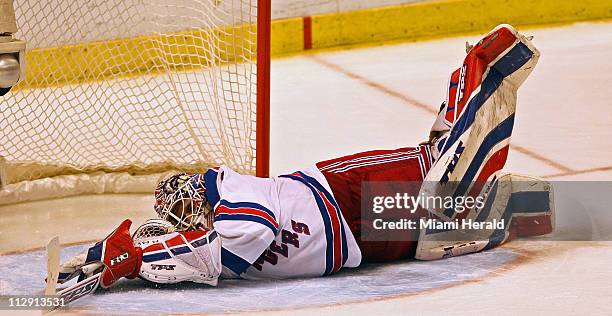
(482, 115)
(524, 203)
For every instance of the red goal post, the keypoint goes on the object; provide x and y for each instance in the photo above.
(264, 13)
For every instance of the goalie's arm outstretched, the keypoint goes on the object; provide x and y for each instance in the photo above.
(183, 246)
(164, 257)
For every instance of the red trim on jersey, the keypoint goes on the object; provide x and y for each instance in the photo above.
(369, 158)
(224, 209)
(335, 220)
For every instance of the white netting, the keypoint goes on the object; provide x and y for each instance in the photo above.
(137, 86)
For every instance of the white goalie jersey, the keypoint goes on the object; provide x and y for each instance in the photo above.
(288, 226)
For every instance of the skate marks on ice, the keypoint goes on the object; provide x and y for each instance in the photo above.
(24, 274)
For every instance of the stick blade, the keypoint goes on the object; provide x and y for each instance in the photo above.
(53, 265)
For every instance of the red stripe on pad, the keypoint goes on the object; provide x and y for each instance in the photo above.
(175, 241)
(527, 226)
(193, 235)
(495, 163)
(154, 247)
(477, 61)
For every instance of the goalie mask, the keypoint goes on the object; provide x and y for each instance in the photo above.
(181, 200)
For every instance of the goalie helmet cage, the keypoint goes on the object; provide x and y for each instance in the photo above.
(120, 93)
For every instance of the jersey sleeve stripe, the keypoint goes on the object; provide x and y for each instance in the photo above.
(246, 211)
(249, 205)
(210, 182)
(233, 262)
(250, 218)
(257, 210)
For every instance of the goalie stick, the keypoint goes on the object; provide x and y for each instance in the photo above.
(80, 289)
(74, 292)
(53, 265)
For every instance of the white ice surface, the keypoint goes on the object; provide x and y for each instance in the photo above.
(368, 282)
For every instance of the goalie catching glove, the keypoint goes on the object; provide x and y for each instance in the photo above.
(165, 258)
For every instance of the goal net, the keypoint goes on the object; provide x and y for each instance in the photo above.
(122, 89)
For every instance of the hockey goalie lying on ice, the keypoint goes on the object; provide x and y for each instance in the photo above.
(308, 223)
